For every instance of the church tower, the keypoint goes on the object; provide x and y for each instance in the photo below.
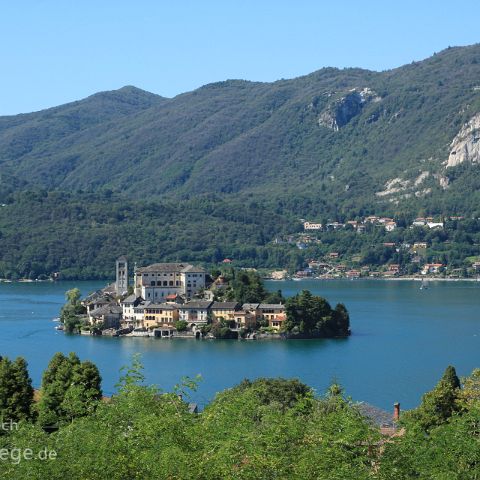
(121, 275)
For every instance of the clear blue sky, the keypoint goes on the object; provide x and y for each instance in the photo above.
(53, 52)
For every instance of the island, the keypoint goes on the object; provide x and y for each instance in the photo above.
(169, 300)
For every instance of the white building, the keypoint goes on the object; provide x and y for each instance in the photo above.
(390, 226)
(195, 312)
(312, 226)
(128, 307)
(157, 281)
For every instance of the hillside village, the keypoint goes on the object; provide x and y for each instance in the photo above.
(172, 299)
(397, 248)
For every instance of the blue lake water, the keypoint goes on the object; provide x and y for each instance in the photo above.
(402, 340)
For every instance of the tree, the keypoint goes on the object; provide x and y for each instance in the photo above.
(439, 404)
(181, 325)
(312, 315)
(450, 377)
(73, 296)
(16, 391)
(70, 389)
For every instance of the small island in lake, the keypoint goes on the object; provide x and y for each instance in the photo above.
(182, 300)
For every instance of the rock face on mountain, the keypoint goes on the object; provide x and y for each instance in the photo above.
(345, 108)
(338, 135)
(465, 147)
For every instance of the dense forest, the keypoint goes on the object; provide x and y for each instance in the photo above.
(267, 428)
(224, 170)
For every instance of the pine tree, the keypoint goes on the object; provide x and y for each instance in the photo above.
(439, 404)
(450, 377)
(16, 392)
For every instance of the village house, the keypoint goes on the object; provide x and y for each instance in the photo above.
(419, 222)
(99, 298)
(312, 226)
(335, 225)
(390, 226)
(160, 315)
(274, 314)
(420, 246)
(244, 319)
(435, 224)
(195, 312)
(160, 280)
(253, 308)
(224, 311)
(138, 315)
(109, 316)
(431, 268)
(353, 274)
(128, 305)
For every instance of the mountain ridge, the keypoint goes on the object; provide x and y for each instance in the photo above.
(224, 170)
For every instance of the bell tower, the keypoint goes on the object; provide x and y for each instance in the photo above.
(121, 275)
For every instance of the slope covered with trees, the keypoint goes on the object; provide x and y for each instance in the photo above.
(235, 160)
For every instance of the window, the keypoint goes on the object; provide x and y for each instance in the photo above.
(171, 283)
(165, 283)
(152, 284)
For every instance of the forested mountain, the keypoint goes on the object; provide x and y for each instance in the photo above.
(335, 143)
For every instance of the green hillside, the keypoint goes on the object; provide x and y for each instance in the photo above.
(334, 144)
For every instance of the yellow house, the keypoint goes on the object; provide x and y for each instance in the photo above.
(161, 314)
(245, 319)
(274, 314)
(224, 310)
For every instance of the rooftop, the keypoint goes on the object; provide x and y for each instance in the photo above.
(250, 306)
(376, 415)
(197, 304)
(224, 305)
(170, 267)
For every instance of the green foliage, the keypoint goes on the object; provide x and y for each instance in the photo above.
(439, 404)
(73, 296)
(16, 391)
(266, 428)
(70, 389)
(311, 315)
(71, 313)
(245, 287)
(181, 325)
(221, 331)
(469, 395)
(285, 393)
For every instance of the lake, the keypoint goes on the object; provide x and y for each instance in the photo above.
(402, 340)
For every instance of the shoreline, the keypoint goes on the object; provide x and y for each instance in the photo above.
(388, 279)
